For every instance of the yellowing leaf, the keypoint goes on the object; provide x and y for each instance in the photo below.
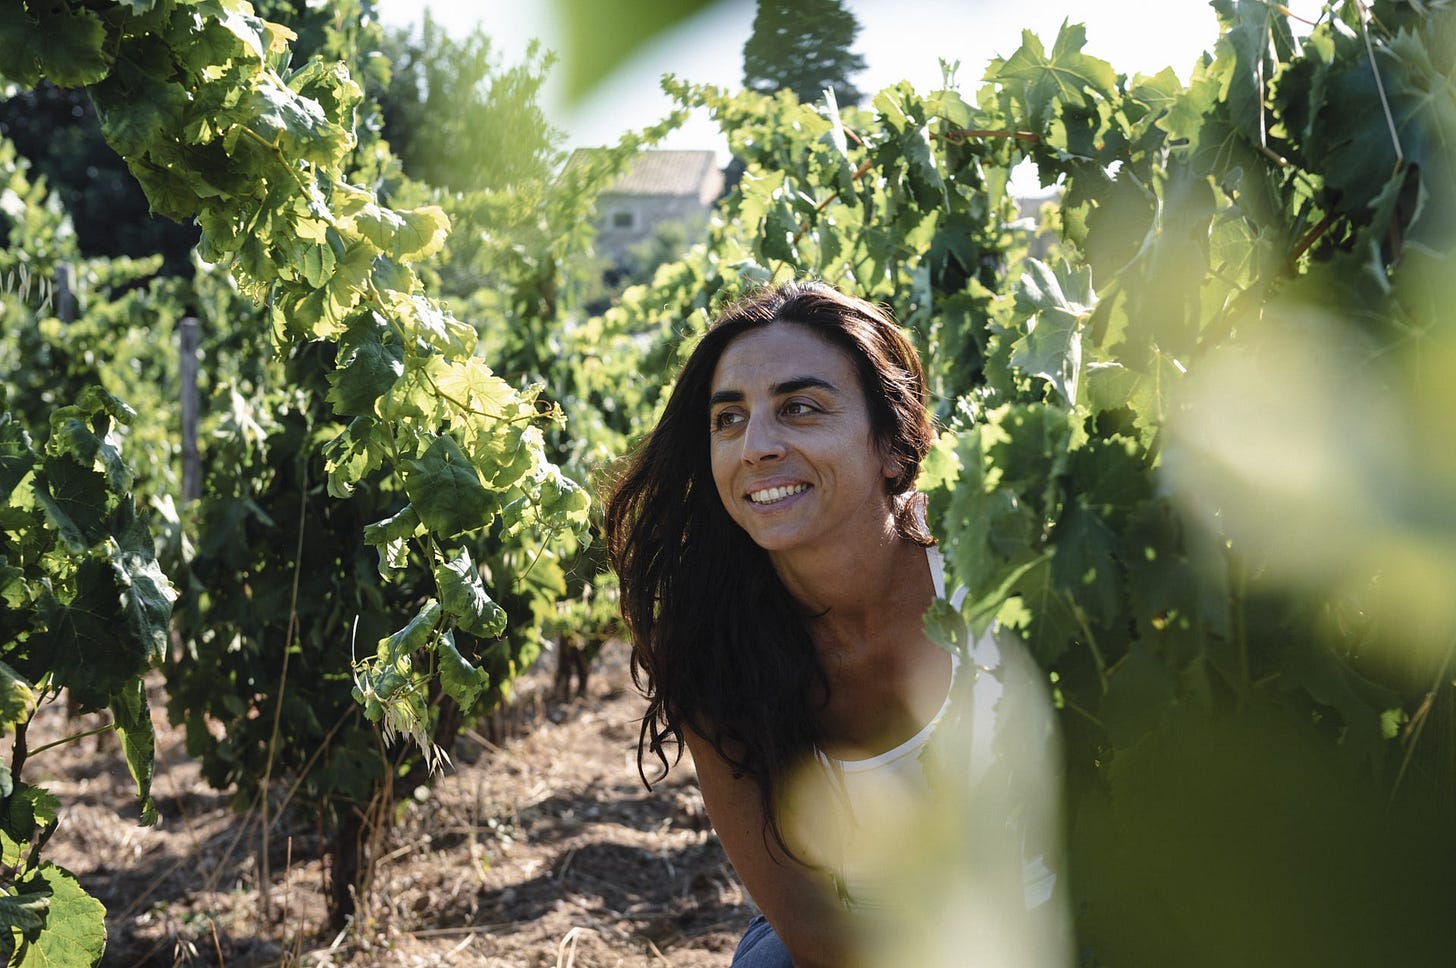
(17, 698)
(251, 30)
(422, 318)
(471, 385)
(407, 236)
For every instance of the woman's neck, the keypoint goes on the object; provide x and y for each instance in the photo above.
(885, 678)
(850, 596)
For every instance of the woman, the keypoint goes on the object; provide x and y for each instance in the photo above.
(775, 570)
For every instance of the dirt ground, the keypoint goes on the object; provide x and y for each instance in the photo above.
(543, 851)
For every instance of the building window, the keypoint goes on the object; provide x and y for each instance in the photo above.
(622, 220)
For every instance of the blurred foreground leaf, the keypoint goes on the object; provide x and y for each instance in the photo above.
(601, 34)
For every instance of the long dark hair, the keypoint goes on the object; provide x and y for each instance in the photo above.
(718, 644)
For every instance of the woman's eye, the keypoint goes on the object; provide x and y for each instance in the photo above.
(726, 418)
(797, 408)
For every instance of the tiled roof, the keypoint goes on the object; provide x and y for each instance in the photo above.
(663, 172)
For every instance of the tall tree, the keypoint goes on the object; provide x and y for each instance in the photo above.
(459, 120)
(803, 46)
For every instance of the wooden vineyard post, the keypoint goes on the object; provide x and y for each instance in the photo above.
(191, 465)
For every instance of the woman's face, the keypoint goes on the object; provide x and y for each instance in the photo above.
(794, 460)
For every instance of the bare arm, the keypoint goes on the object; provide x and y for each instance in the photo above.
(798, 901)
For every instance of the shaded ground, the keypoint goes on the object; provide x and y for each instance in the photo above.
(543, 851)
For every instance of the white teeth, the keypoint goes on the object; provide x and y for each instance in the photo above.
(775, 493)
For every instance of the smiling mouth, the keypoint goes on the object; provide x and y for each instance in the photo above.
(773, 495)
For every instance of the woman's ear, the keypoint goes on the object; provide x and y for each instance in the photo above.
(891, 466)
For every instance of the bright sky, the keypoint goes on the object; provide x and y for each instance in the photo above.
(899, 39)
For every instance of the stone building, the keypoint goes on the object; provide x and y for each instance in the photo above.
(661, 186)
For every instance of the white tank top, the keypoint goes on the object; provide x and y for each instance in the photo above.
(866, 821)
(867, 789)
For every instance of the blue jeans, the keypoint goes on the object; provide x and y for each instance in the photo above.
(761, 948)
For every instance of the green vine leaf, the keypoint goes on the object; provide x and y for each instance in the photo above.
(23, 913)
(261, 37)
(133, 721)
(1184, 118)
(16, 456)
(947, 628)
(1042, 614)
(146, 593)
(1084, 565)
(461, 681)
(445, 490)
(1252, 32)
(478, 391)
(28, 817)
(464, 598)
(1066, 76)
(75, 499)
(74, 932)
(391, 537)
(1058, 303)
(18, 62)
(366, 371)
(81, 644)
(394, 652)
(452, 337)
(154, 106)
(70, 44)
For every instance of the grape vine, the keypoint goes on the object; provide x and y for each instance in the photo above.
(218, 124)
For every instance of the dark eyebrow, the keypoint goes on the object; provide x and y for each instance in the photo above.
(780, 390)
(803, 383)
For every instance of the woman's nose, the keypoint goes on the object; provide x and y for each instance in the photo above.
(762, 440)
